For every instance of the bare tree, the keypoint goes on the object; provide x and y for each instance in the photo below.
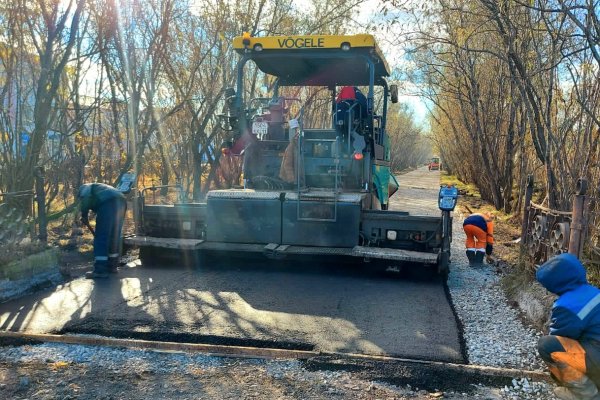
(52, 32)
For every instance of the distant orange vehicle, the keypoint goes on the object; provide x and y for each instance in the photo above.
(434, 164)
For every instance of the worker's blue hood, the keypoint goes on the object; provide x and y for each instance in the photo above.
(561, 274)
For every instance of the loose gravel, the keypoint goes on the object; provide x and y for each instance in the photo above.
(108, 358)
(12, 289)
(52, 370)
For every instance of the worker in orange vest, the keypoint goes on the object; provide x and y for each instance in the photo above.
(479, 229)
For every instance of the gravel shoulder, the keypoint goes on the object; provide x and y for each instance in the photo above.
(78, 372)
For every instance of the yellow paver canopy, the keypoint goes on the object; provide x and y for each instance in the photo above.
(315, 60)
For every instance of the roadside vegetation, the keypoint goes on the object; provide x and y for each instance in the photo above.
(513, 91)
(518, 276)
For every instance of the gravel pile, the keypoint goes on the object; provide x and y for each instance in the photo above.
(494, 335)
(110, 358)
(11, 289)
(53, 370)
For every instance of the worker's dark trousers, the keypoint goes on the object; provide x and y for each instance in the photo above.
(576, 365)
(107, 242)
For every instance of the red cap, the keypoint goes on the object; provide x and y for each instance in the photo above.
(347, 93)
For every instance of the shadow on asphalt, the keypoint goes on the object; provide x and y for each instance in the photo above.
(304, 304)
(214, 264)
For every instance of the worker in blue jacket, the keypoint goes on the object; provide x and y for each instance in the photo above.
(109, 205)
(572, 349)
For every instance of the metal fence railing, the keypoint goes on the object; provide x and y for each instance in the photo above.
(23, 214)
(17, 216)
(546, 232)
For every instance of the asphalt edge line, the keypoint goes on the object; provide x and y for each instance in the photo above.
(462, 341)
(481, 369)
(266, 353)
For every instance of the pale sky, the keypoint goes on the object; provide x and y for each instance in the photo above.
(396, 59)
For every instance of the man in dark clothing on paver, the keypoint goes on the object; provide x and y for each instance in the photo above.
(109, 205)
(345, 99)
(572, 350)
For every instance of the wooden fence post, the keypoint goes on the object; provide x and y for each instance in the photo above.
(525, 223)
(578, 222)
(40, 197)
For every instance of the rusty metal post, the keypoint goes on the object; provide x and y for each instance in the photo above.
(40, 197)
(578, 221)
(525, 222)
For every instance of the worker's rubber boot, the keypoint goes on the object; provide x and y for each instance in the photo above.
(96, 275)
(471, 257)
(478, 259)
(113, 265)
(100, 271)
(582, 389)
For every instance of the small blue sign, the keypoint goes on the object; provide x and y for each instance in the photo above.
(447, 198)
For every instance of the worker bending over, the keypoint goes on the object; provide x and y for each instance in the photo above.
(109, 205)
(572, 349)
(479, 229)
